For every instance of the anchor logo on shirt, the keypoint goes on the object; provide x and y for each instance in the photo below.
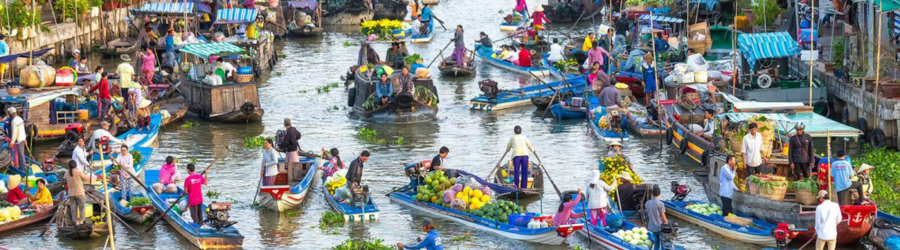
(858, 217)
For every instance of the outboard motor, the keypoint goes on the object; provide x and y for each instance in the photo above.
(360, 196)
(489, 88)
(680, 190)
(404, 100)
(217, 215)
(669, 233)
(781, 234)
(652, 112)
(615, 121)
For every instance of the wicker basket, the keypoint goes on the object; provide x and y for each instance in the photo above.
(739, 220)
(243, 77)
(775, 193)
(752, 188)
(805, 197)
(13, 90)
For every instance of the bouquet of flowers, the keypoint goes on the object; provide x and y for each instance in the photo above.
(382, 28)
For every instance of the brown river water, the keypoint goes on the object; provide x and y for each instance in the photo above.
(476, 141)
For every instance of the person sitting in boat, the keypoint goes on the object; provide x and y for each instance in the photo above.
(395, 55)
(168, 176)
(193, 185)
(355, 171)
(661, 44)
(500, 54)
(335, 159)
(611, 97)
(403, 83)
(143, 115)
(42, 199)
(709, 124)
(81, 67)
(437, 163)
(76, 57)
(484, 41)
(556, 52)
(598, 199)
(384, 90)
(269, 163)
(626, 189)
(14, 194)
(426, 17)
(418, 28)
(126, 171)
(615, 150)
(863, 183)
(564, 214)
(512, 55)
(431, 242)
(103, 132)
(229, 68)
(524, 59)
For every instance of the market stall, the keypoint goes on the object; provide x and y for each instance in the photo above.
(227, 99)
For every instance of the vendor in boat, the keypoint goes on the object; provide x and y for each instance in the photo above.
(42, 199)
(171, 57)
(611, 97)
(437, 163)
(125, 161)
(431, 242)
(103, 132)
(395, 55)
(168, 176)
(754, 158)
(615, 150)
(17, 136)
(842, 172)
(418, 28)
(521, 8)
(81, 67)
(75, 179)
(524, 57)
(146, 37)
(229, 68)
(79, 155)
(626, 189)
(660, 44)
(709, 124)
(126, 78)
(404, 83)
(801, 156)
(334, 158)
(76, 58)
(269, 163)
(426, 17)
(588, 42)
(355, 171)
(14, 194)
(726, 184)
(564, 214)
(597, 78)
(598, 198)
(484, 41)
(384, 90)
(289, 142)
(648, 74)
(828, 215)
(597, 54)
(520, 146)
(656, 216)
(193, 185)
(863, 183)
(538, 18)
(556, 52)
(459, 49)
(148, 64)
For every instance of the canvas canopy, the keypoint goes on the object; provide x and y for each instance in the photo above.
(205, 50)
(166, 8)
(236, 15)
(13, 57)
(757, 46)
(816, 125)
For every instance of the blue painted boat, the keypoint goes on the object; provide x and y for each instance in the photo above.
(134, 138)
(603, 235)
(422, 38)
(522, 96)
(201, 237)
(369, 212)
(289, 194)
(132, 214)
(555, 71)
(486, 56)
(760, 233)
(885, 228)
(597, 113)
(641, 126)
(569, 111)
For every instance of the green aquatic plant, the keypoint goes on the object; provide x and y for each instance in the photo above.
(212, 194)
(360, 244)
(331, 219)
(885, 177)
(349, 44)
(138, 201)
(399, 141)
(187, 124)
(255, 142)
(371, 136)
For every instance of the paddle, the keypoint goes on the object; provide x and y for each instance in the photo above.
(116, 216)
(439, 52)
(439, 21)
(183, 193)
(565, 81)
(541, 164)
(53, 219)
(496, 166)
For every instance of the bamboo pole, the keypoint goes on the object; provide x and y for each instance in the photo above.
(812, 44)
(734, 61)
(31, 41)
(878, 64)
(112, 238)
(828, 178)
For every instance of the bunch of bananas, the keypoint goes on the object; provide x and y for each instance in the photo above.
(604, 122)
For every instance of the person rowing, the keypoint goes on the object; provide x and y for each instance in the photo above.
(519, 144)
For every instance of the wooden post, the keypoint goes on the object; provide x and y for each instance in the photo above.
(877, 64)
(112, 239)
(828, 178)
(734, 61)
(812, 45)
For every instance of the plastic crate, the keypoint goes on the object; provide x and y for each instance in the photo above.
(521, 219)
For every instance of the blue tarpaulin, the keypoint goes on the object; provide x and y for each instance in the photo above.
(759, 46)
(709, 4)
(236, 15)
(13, 57)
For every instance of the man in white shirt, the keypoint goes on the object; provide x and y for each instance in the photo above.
(103, 131)
(18, 136)
(556, 52)
(226, 66)
(752, 147)
(828, 215)
(79, 155)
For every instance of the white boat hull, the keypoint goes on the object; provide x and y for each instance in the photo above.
(288, 200)
(767, 241)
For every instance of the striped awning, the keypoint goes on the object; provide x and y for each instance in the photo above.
(816, 125)
(766, 45)
(663, 19)
(236, 15)
(896, 21)
(167, 8)
(205, 50)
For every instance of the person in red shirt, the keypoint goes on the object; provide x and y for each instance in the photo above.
(193, 186)
(103, 95)
(16, 197)
(524, 56)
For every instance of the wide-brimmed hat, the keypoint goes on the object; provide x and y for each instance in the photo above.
(621, 86)
(125, 57)
(76, 51)
(539, 8)
(864, 167)
(14, 181)
(615, 143)
(800, 126)
(145, 103)
(11, 110)
(625, 176)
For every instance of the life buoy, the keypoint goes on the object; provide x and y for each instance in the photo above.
(670, 135)
(247, 108)
(351, 97)
(825, 108)
(863, 126)
(764, 81)
(876, 138)
(31, 131)
(684, 145)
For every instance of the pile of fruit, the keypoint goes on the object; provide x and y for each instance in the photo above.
(138, 201)
(99, 219)
(498, 210)
(10, 214)
(432, 190)
(705, 209)
(603, 123)
(335, 181)
(635, 236)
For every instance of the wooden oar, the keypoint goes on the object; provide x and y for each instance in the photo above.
(440, 52)
(53, 219)
(565, 81)
(433, 16)
(183, 193)
(496, 166)
(541, 164)
(116, 216)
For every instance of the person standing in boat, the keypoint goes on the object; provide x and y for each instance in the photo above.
(103, 96)
(459, 51)
(75, 179)
(588, 42)
(289, 142)
(384, 90)
(656, 217)
(726, 184)
(193, 185)
(537, 20)
(354, 173)
(828, 215)
(520, 146)
(126, 78)
(79, 155)
(426, 17)
(597, 54)
(522, 9)
(17, 137)
(556, 52)
(753, 154)
(598, 198)
(842, 172)
(431, 242)
(4, 51)
(621, 26)
(269, 163)
(437, 163)
(148, 64)
(801, 150)
(126, 167)
(648, 69)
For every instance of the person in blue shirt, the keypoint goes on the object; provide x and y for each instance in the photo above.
(4, 51)
(842, 171)
(726, 184)
(384, 89)
(171, 58)
(431, 242)
(426, 17)
(661, 44)
(648, 69)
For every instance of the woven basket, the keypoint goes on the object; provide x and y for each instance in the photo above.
(13, 90)
(752, 188)
(243, 77)
(775, 193)
(805, 197)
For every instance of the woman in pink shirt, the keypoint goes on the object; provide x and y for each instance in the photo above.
(521, 7)
(596, 55)
(193, 185)
(148, 65)
(168, 176)
(564, 213)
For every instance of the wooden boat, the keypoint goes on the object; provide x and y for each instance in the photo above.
(230, 103)
(201, 237)
(535, 181)
(312, 9)
(647, 123)
(529, 71)
(556, 72)
(561, 11)
(369, 212)
(172, 109)
(547, 236)
(44, 125)
(431, 1)
(404, 108)
(138, 214)
(449, 67)
(422, 38)
(134, 138)
(505, 99)
(512, 26)
(597, 113)
(575, 108)
(87, 230)
(390, 9)
(29, 218)
(290, 188)
(759, 232)
(125, 45)
(886, 226)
